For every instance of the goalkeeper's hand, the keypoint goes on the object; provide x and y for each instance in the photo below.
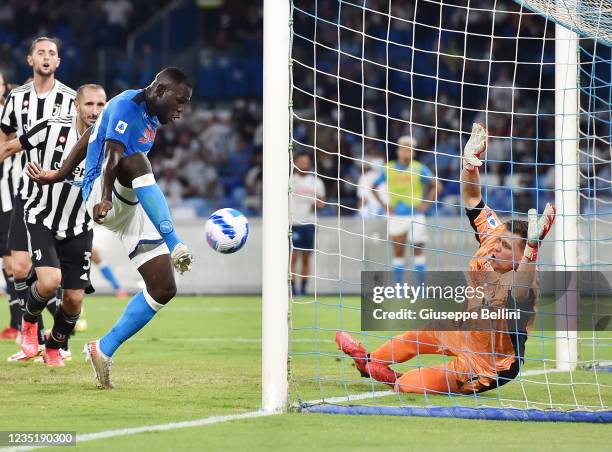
(538, 229)
(182, 259)
(475, 147)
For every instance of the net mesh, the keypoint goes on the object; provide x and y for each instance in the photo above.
(366, 73)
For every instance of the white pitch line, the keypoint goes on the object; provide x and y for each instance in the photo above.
(377, 394)
(153, 428)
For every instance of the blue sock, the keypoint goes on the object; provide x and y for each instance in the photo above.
(137, 314)
(154, 204)
(398, 269)
(108, 274)
(420, 267)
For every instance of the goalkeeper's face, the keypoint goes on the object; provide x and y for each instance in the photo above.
(405, 154)
(507, 252)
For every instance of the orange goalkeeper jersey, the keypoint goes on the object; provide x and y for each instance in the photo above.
(487, 345)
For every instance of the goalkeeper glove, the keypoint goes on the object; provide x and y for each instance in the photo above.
(475, 147)
(182, 258)
(537, 230)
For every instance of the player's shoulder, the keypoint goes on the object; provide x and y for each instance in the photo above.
(60, 120)
(22, 88)
(126, 102)
(65, 89)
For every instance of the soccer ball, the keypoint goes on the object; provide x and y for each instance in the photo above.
(227, 231)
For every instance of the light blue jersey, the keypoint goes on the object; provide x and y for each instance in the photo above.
(125, 119)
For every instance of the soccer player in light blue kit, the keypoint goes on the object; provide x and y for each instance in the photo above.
(120, 192)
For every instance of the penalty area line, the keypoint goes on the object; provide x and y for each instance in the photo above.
(81, 438)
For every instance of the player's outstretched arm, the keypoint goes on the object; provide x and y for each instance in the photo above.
(470, 176)
(537, 231)
(47, 176)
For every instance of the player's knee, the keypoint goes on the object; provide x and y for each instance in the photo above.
(48, 281)
(163, 292)
(72, 300)
(21, 268)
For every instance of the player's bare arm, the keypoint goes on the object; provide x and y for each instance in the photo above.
(8, 148)
(375, 192)
(113, 152)
(435, 188)
(47, 176)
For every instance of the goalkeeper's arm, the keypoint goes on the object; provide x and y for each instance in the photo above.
(470, 176)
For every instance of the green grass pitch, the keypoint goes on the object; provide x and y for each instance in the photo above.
(201, 357)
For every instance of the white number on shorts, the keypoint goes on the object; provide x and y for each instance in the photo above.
(87, 257)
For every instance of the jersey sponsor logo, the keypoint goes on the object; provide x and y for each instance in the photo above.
(25, 103)
(148, 136)
(62, 139)
(121, 127)
(491, 220)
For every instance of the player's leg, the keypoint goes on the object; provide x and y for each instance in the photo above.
(398, 229)
(459, 376)
(308, 242)
(12, 330)
(406, 346)
(418, 236)
(432, 380)
(41, 291)
(158, 276)
(295, 258)
(75, 263)
(108, 273)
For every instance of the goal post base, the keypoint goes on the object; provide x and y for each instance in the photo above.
(456, 412)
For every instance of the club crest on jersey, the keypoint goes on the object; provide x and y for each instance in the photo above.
(492, 221)
(57, 108)
(148, 136)
(121, 127)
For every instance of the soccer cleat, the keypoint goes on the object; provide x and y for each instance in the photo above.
(181, 258)
(53, 357)
(9, 334)
(355, 350)
(100, 363)
(29, 338)
(20, 356)
(382, 373)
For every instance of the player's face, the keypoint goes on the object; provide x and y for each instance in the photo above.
(404, 155)
(90, 105)
(45, 58)
(507, 252)
(303, 163)
(2, 86)
(172, 102)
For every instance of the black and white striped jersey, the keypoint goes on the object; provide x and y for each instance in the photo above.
(59, 206)
(22, 109)
(6, 181)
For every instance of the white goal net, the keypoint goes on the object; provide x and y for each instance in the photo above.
(383, 95)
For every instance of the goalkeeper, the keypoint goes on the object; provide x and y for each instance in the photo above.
(485, 358)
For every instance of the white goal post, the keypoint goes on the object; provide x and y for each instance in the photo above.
(278, 139)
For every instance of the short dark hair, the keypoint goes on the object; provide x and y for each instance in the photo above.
(41, 39)
(519, 227)
(175, 75)
(82, 88)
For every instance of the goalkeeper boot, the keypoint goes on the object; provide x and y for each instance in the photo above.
(382, 372)
(29, 338)
(355, 350)
(100, 363)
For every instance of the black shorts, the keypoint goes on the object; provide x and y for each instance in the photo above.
(302, 236)
(71, 255)
(5, 222)
(18, 233)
